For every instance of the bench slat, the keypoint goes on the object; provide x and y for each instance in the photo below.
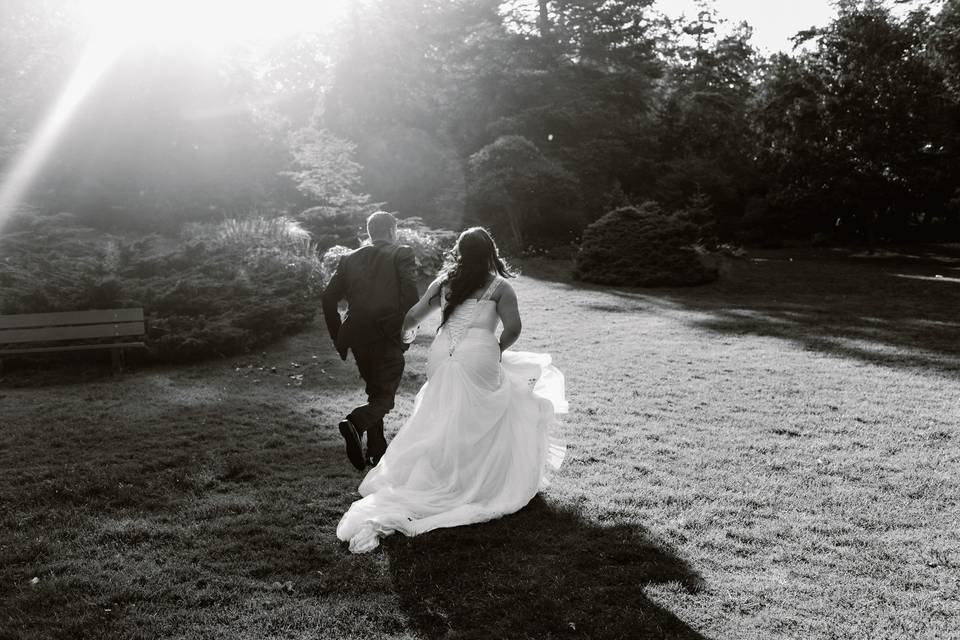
(12, 336)
(78, 347)
(66, 318)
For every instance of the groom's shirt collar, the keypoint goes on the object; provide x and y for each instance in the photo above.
(380, 243)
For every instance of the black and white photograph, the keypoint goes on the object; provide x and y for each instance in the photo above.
(479, 320)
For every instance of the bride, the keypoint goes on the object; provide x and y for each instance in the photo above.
(479, 443)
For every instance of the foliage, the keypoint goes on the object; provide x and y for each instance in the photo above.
(704, 138)
(861, 131)
(945, 44)
(578, 80)
(430, 247)
(330, 260)
(386, 97)
(513, 187)
(54, 263)
(641, 247)
(328, 230)
(227, 302)
(700, 212)
(254, 235)
(417, 173)
(328, 175)
(222, 290)
(533, 117)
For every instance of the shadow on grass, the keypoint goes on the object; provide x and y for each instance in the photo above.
(893, 312)
(540, 573)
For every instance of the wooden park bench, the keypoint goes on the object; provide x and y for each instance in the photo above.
(113, 329)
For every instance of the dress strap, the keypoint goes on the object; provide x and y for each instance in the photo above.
(493, 287)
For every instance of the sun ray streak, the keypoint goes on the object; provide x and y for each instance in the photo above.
(97, 57)
(119, 25)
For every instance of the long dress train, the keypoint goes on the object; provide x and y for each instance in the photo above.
(481, 441)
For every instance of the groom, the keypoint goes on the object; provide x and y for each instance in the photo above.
(379, 284)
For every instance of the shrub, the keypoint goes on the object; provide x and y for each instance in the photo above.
(229, 300)
(53, 263)
(331, 230)
(641, 246)
(252, 235)
(430, 247)
(330, 260)
(223, 289)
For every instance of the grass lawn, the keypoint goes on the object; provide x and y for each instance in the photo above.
(776, 455)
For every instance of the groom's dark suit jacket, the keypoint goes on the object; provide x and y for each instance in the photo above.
(379, 283)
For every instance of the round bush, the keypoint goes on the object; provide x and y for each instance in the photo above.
(641, 247)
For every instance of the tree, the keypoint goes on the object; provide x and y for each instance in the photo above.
(386, 97)
(328, 175)
(576, 79)
(860, 130)
(945, 44)
(513, 186)
(705, 135)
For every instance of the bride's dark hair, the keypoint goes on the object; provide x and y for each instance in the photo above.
(474, 257)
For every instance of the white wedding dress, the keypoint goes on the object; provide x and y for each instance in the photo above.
(479, 444)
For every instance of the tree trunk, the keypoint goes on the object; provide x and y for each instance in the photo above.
(515, 228)
(544, 21)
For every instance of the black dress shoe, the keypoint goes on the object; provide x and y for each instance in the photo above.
(352, 440)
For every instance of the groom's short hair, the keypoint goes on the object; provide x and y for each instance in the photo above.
(381, 224)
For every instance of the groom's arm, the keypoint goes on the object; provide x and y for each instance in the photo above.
(407, 272)
(332, 295)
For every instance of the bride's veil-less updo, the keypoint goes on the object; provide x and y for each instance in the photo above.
(475, 256)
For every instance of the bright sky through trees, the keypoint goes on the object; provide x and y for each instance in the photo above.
(773, 22)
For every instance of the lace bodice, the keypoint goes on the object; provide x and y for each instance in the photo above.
(473, 313)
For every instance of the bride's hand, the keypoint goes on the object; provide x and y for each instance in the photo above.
(419, 311)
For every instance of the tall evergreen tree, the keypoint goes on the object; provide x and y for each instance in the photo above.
(861, 130)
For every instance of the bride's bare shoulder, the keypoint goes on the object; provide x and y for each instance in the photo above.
(504, 290)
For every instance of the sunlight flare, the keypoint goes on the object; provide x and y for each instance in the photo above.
(97, 58)
(213, 23)
(118, 25)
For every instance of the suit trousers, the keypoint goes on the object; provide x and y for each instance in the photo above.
(381, 367)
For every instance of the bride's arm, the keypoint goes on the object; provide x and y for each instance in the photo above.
(427, 303)
(509, 313)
